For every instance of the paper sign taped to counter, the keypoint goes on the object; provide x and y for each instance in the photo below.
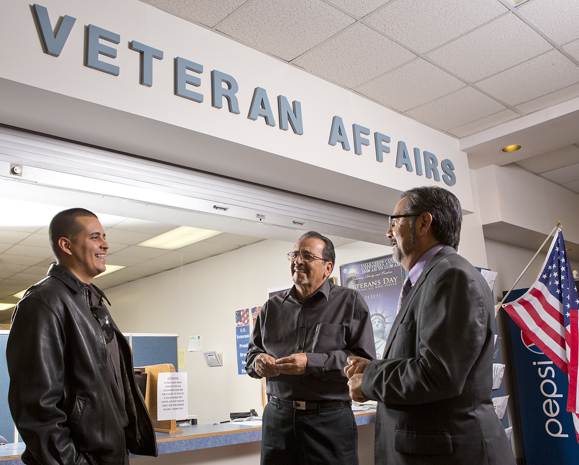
(500, 404)
(498, 373)
(172, 399)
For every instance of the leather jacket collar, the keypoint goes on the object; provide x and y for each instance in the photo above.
(62, 273)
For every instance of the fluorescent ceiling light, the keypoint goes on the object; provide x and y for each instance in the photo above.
(111, 269)
(6, 306)
(20, 294)
(179, 237)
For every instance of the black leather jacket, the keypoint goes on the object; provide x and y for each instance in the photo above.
(60, 388)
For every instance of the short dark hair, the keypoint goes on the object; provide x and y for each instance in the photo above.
(329, 254)
(64, 224)
(445, 209)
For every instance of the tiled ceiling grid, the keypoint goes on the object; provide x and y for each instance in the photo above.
(458, 66)
(25, 253)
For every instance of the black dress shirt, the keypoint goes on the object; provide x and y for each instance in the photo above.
(328, 326)
(117, 385)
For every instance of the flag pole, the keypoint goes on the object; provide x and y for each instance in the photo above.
(499, 306)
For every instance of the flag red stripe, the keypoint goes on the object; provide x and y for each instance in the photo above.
(546, 350)
(555, 313)
(557, 337)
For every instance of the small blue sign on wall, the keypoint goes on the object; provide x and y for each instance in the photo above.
(242, 342)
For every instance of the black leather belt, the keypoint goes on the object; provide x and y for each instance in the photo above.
(309, 404)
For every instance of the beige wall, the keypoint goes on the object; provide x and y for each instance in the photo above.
(508, 261)
(200, 299)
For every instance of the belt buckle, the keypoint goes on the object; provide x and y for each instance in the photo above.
(299, 404)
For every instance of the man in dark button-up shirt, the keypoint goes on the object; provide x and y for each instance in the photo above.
(300, 343)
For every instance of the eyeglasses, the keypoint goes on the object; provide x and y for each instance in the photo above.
(305, 256)
(102, 316)
(392, 218)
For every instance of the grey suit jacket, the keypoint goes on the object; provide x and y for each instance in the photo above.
(433, 386)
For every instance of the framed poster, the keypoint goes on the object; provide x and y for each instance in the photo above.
(379, 280)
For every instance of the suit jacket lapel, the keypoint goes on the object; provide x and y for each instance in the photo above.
(413, 292)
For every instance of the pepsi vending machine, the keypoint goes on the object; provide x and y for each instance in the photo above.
(543, 427)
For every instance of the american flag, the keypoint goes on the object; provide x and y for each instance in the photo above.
(547, 314)
(242, 317)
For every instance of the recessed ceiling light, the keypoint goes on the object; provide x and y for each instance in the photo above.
(110, 269)
(511, 148)
(6, 306)
(179, 237)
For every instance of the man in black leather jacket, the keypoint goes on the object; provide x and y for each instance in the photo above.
(72, 391)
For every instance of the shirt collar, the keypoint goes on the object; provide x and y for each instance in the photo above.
(419, 266)
(324, 289)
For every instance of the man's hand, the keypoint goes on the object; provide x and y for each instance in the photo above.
(356, 365)
(265, 366)
(294, 364)
(355, 385)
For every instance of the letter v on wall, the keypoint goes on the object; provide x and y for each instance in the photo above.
(52, 40)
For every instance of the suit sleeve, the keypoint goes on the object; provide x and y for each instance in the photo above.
(360, 342)
(35, 356)
(451, 331)
(255, 343)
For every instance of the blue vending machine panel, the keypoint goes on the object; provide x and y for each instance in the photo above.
(540, 394)
(6, 424)
(154, 349)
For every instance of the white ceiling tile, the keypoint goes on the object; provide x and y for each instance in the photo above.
(30, 277)
(37, 270)
(483, 123)
(115, 247)
(134, 255)
(4, 247)
(12, 237)
(30, 251)
(354, 56)
(36, 240)
(564, 175)
(284, 28)
(411, 85)
(8, 269)
(424, 25)
(214, 246)
(358, 8)
(494, 47)
(538, 76)
(456, 109)
(560, 158)
(553, 98)
(143, 227)
(120, 236)
(207, 12)
(9, 287)
(574, 186)
(45, 263)
(21, 260)
(573, 49)
(558, 19)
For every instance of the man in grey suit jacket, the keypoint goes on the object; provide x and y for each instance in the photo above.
(433, 385)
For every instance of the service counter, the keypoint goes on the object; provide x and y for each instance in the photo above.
(227, 443)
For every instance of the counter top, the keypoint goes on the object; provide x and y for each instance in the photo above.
(190, 438)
